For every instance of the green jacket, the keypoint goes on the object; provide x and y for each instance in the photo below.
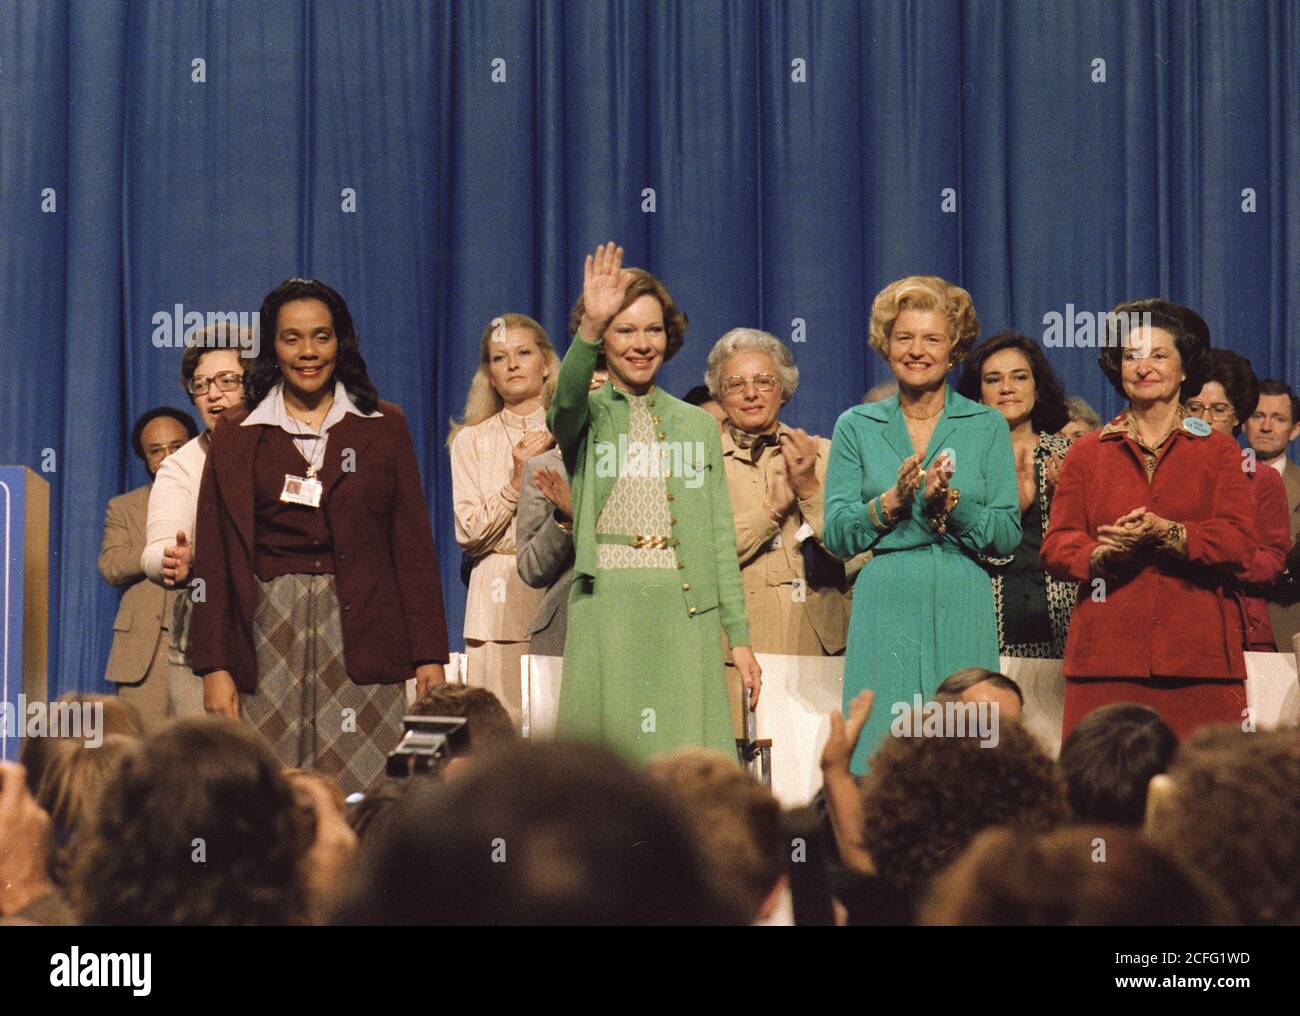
(588, 426)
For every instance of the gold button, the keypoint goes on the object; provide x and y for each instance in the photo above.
(686, 587)
(674, 541)
(680, 566)
(690, 610)
(673, 521)
(656, 420)
(662, 435)
(670, 497)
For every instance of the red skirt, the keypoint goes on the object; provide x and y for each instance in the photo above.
(1185, 704)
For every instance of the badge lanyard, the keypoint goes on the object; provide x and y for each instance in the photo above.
(306, 490)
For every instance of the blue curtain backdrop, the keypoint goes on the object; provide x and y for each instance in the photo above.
(801, 155)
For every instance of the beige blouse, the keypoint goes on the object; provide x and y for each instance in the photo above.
(500, 605)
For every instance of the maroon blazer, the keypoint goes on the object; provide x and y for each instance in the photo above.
(386, 568)
(1171, 618)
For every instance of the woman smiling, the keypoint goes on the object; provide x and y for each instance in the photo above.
(926, 480)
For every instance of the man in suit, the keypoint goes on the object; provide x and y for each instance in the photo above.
(1273, 426)
(137, 663)
(544, 547)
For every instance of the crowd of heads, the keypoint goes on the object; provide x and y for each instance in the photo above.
(198, 824)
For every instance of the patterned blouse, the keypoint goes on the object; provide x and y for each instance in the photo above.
(638, 502)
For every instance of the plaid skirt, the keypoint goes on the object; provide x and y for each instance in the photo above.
(311, 713)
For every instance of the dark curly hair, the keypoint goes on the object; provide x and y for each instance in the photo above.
(1191, 338)
(350, 367)
(1050, 412)
(643, 284)
(197, 784)
(1234, 812)
(926, 798)
(1237, 376)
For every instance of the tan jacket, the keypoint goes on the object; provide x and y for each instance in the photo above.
(770, 556)
(1284, 598)
(139, 623)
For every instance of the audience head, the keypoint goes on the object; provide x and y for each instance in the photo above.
(160, 432)
(212, 370)
(752, 375)
(1155, 351)
(923, 326)
(1083, 418)
(538, 833)
(1230, 393)
(975, 684)
(112, 715)
(1109, 759)
(74, 777)
(1230, 805)
(312, 342)
(925, 798)
(1093, 876)
(1275, 422)
(736, 821)
(487, 726)
(1010, 372)
(199, 826)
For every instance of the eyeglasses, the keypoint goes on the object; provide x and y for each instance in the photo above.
(736, 384)
(226, 381)
(1219, 410)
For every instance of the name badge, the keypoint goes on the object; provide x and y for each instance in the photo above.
(304, 490)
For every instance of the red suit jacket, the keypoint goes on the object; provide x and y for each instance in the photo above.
(390, 595)
(1172, 618)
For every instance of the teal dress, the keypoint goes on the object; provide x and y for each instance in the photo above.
(923, 605)
(643, 656)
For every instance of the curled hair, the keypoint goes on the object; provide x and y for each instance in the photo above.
(349, 366)
(1237, 377)
(746, 340)
(643, 284)
(1191, 339)
(197, 784)
(925, 798)
(215, 337)
(1233, 810)
(483, 400)
(1049, 413)
(928, 293)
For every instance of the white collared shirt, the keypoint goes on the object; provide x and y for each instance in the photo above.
(271, 411)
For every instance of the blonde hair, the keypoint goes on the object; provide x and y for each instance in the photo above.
(483, 401)
(926, 293)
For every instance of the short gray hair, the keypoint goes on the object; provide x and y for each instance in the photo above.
(747, 340)
(1080, 410)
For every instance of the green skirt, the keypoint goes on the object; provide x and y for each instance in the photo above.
(640, 674)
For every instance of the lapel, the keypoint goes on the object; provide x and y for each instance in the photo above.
(348, 435)
(233, 450)
(955, 407)
(887, 411)
(895, 425)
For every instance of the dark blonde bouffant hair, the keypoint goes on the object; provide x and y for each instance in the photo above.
(925, 293)
(483, 401)
(643, 284)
